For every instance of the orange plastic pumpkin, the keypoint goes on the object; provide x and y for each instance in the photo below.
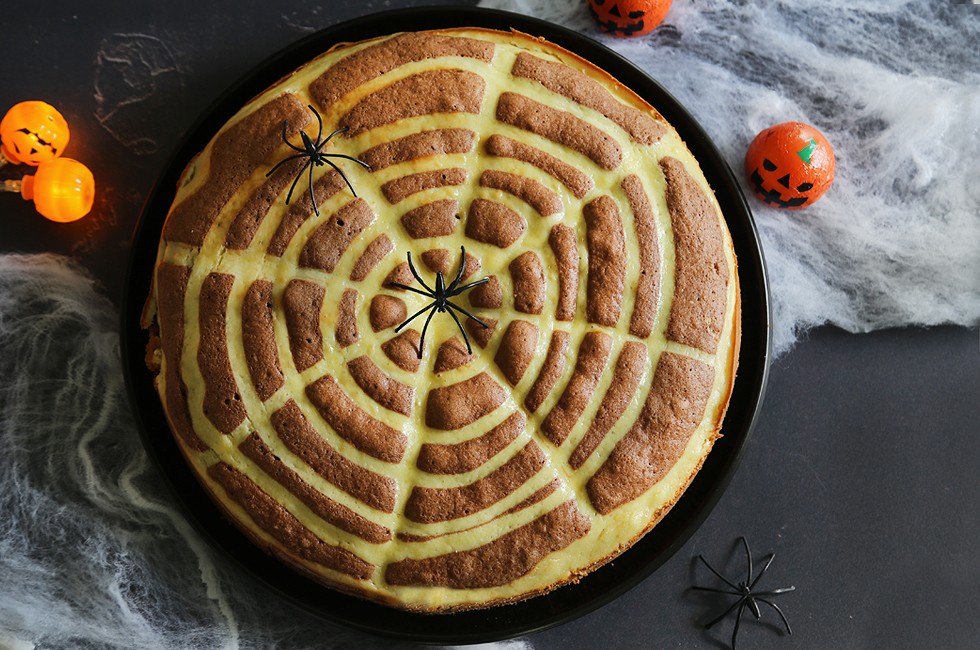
(790, 165)
(33, 132)
(62, 189)
(626, 18)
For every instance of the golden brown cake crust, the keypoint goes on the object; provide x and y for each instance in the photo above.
(376, 251)
(416, 146)
(575, 180)
(296, 432)
(699, 295)
(607, 261)
(272, 518)
(259, 339)
(564, 245)
(436, 219)
(561, 127)
(302, 301)
(329, 510)
(494, 223)
(672, 411)
(460, 457)
(554, 365)
(346, 331)
(647, 300)
(642, 126)
(498, 562)
(493, 459)
(371, 62)
(171, 288)
(236, 154)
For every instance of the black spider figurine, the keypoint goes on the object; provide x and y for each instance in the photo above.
(747, 597)
(440, 295)
(311, 150)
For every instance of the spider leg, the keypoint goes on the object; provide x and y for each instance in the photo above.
(469, 349)
(720, 577)
(411, 267)
(283, 162)
(285, 126)
(738, 621)
(782, 616)
(470, 285)
(459, 273)
(753, 606)
(308, 147)
(342, 175)
(740, 601)
(321, 143)
(424, 328)
(466, 313)
(772, 556)
(295, 180)
(414, 316)
(316, 208)
(775, 592)
(412, 289)
(350, 158)
(748, 556)
(727, 592)
(319, 121)
(440, 287)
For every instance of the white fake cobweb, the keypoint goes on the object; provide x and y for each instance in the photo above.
(896, 240)
(93, 550)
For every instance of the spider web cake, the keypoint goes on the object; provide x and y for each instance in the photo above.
(536, 432)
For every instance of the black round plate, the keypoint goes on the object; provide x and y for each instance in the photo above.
(566, 603)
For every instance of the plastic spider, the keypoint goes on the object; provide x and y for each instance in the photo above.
(312, 151)
(747, 597)
(440, 295)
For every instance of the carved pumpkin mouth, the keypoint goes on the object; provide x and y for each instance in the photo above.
(614, 27)
(34, 142)
(628, 18)
(774, 196)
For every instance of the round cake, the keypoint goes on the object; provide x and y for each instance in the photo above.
(445, 319)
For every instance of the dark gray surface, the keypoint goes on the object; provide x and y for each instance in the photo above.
(861, 474)
(862, 477)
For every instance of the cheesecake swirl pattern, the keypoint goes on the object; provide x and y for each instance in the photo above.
(459, 479)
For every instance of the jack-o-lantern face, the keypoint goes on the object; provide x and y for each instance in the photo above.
(33, 132)
(628, 17)
(790, 165)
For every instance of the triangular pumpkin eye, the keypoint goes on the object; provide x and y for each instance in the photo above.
(804, 187)
(769, 165)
